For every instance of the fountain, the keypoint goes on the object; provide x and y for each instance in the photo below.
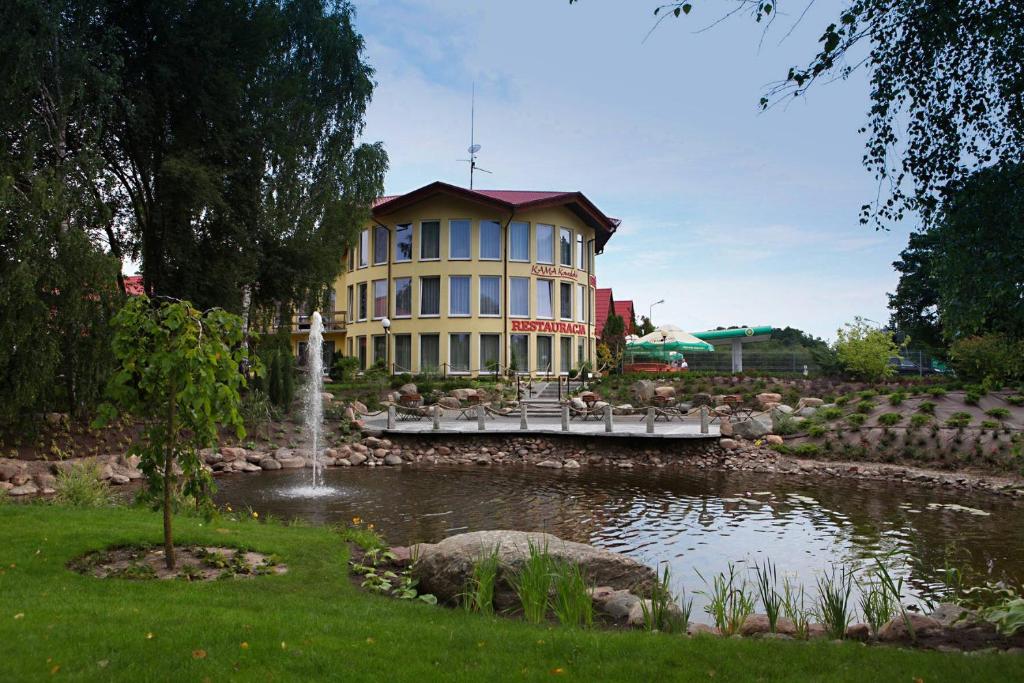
(313, 403)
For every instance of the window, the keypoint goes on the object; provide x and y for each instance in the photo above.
(364, 248)
(565, 247)
(580, 353)
(302, 350)
(380, 350)
(545, 243)
(430, 352)
(351, 314)
(458, 295)
(362, 301)
(520, 358)
(565, 300)
(490, 352)
(381, 236)
(348, 343)
(543, 353)
(490, 295)
(430, 296)
(544, 299)
(403, 353)
(352, 258)
(403, 297)
(380, 299)
(362, 353)
(458, 352)
(403, 242)
(490, 240)
(519, 241)
(430, 240)
(458, 240)
(581, 303)
(565, 354)
(581, 260)
(519, 297)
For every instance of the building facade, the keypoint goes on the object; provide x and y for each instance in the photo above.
(455, 281)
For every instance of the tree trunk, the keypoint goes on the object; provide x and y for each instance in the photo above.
(169, 479)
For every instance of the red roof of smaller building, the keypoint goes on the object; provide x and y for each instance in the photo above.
(602, 306)
(133, 285)
(624, 309)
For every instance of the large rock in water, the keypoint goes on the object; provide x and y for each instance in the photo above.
(754, 428)
(445, 568)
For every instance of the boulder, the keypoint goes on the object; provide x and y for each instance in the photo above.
(600, 405)
(553, 464)
(703, 399)
(754, 428)
(268, 463)
(27, 489)
(326, 396)
(571, 464)
(807, 411)
(230, 453)
(577, 403)
(897, 631)
(45, 480)
(861, 632)
(728, 444)
(624, 409)
(696, 629)
(444, 568)
(667, 392)
(725, 427)
(758, 625)
(948, 614)
(617, 604)
(392, 459)
(773, 440)
(765, 398)
(291, 461)
(359, 408)
(809, 402)
(407, 389)
(449, 402)
(642, 390)
(9, 470)
(119, 479)
(723, 409)
(357, 458)
(462, 394)
(636, 613)
(782, 409)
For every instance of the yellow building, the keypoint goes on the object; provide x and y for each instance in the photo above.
(459, 281)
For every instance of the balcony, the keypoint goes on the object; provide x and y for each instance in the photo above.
(333, 322)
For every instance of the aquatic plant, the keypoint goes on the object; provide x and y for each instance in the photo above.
(877, 604)
(658, 610)
(729, 601)
(479, 594)
(572, 604)
(767, 588)
(795, 610)
(834, 590)
(81, 486)
(532, 583)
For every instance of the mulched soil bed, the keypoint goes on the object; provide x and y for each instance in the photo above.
(192, 563)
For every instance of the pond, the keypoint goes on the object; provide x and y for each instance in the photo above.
(695, 520)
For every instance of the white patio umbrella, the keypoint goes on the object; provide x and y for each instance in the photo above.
(671, 338)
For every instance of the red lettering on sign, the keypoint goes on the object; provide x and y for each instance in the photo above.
(548, 326)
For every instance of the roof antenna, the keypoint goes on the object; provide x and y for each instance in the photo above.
(473, 147)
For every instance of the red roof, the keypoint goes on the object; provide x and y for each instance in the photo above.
(133, 285)
(625, 310)
(602, 305)
(509, 200)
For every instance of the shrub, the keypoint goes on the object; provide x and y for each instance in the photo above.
(936, 392)
(896, 398)
(345, 369)
(958, 420)
(816, 431)
(919, 420)
(991, 358)
(832, 413)
(890, 419)
(865, 407)
(867, 394)
(971, 398)
(1015, 400)
(998, 413)
(989, 424)
(856, 419)
(926, 407)
(784, 424)
(864, 350)
(842, 400)
(81, 486)
(807, 450)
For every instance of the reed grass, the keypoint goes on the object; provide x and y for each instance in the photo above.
(479, 595)
(662, 612)
(876, 602)
(767, 588)
(532, 584)
(729, 600)
(834, 609)
(571, 602)
(795, 609)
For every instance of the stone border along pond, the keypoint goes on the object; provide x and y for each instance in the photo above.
(624, 593)
(30, 478)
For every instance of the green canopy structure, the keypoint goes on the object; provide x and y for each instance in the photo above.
(665, 345)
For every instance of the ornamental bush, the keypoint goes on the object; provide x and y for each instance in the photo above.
(864, 351)
(992, 358)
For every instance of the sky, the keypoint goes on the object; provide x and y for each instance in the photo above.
(733, 216)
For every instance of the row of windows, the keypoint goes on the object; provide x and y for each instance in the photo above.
(548, 243)
(373, 349)
(371, 299)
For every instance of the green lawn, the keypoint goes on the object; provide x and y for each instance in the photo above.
(312, 624)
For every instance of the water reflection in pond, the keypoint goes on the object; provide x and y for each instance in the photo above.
(693, 519)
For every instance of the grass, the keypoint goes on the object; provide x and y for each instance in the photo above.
(80, 485)
(571, 602)
(834, 608)
(532, 583)
(479, 596)
(312, 623)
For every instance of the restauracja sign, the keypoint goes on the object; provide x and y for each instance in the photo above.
(548, 326)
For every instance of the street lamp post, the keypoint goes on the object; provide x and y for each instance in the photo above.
(386, 324)
(650, 310)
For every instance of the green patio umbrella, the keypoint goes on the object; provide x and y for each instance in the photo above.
(669, 338)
